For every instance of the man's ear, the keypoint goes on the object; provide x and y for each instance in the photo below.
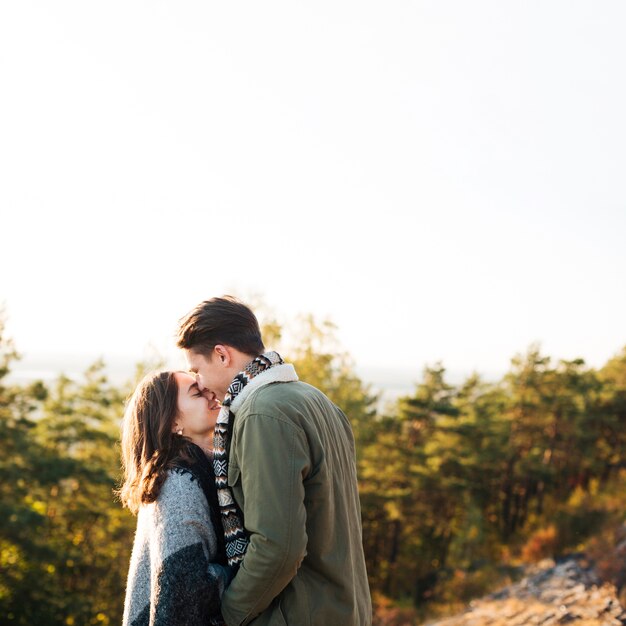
(222, 354)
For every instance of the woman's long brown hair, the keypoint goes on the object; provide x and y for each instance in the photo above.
(149, 446)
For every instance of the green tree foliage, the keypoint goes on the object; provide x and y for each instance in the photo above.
(460, 477)
(89, 531)
(64, 542)
(412, 490)
(610, 426)
(21, 554)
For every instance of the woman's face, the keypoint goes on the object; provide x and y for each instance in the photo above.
(196, 414)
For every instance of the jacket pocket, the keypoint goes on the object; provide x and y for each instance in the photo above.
(272, 616)
(294, 605)
(234, 482)
(234, 475)
(278, 619)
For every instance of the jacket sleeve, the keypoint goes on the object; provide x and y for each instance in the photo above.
(185, 584)
(273, 456)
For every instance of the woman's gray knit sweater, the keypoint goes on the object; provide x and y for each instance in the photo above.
(173, 579)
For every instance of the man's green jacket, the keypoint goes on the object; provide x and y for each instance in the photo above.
(293, 473)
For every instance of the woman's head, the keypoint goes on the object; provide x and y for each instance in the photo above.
(195, 412)
(165, 414)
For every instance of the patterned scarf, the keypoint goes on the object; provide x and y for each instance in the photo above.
(235, 534)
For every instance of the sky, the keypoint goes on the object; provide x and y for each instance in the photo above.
(443, 180)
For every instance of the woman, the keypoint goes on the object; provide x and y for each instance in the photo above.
(177, 569)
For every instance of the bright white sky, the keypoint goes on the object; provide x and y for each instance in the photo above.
(444, 180)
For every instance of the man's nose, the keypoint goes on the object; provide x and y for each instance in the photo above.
(199, 382)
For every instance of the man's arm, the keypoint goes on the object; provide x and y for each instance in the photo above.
(274, 459)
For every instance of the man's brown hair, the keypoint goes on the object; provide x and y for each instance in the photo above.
(224, 320)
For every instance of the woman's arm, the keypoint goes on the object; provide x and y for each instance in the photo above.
(186, 585)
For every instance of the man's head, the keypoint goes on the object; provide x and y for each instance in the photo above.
(219, 337)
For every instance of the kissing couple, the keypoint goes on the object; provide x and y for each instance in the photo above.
(243, 480)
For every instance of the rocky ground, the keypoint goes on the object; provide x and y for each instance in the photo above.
(568, 592)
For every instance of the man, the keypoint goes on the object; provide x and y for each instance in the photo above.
(286, 454)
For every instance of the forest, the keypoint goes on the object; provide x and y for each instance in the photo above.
(459, 484)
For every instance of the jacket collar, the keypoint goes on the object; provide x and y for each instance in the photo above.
(284, 373)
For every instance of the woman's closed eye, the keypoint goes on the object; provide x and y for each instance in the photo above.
(195, 391)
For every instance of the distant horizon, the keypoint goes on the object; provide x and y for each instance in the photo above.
(119, 367)
(387, 382)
